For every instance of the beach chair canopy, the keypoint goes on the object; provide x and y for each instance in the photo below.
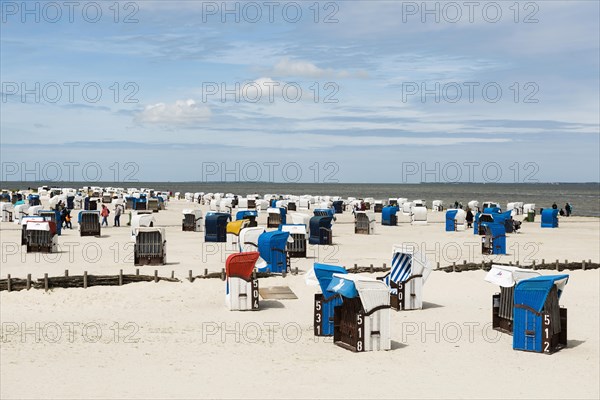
(42, 226)
(533, 292)
(324, 212)
(271, 246)
(372, 293)
(492, 210)
(406, 262)
(299, 229)
(495, 229)
(144, 229)
(246, 214)
(388, 211)
(500, 218)
(324, 275)
(508, 276)
(241, 265)
(249, 238)
(34, 218)
(235, 227)
(318, 222)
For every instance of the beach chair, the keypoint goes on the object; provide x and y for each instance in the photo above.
(338, 206)
(296, 246)
(362, 321)
(89, 223)
(233, 230)
(503, 303)
(388, 215)
(276, 217)
(326, 301)
(150, 246)
(549, 218)
(153, 204)
(6, 211)
(364, 223)
(409, 272)
(481, 220)
(215, 227)
(437, 205)
(250, 215)
(418, 215)
(271, 246)
(324, 212)
(494, 240)
(506, 219)
(320, 230)
(241, 289)
(192, 221)
(540, 324)
(378, 206)
(455, 220)
(249, 238)
(41, 237)
(34, 200)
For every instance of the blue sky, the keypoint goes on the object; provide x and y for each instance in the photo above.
(387, 76)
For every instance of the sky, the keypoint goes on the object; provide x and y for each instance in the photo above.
(340, 91)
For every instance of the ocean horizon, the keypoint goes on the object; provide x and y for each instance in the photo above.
(584, 197)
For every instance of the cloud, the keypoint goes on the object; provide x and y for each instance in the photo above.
(182, 112)
(306, 69)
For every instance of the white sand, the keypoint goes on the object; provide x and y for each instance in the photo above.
(179, 349)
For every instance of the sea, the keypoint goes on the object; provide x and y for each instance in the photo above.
(583, 197)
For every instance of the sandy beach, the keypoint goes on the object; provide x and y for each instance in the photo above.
(178, 340)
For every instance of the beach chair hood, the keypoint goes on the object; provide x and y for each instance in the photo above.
(419, 263)
(372, 293)
(324, 274)
(508, 276)
(241, 265)
(533, 292)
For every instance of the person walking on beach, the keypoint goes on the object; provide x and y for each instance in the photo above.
(568, 209)
(118, 212)
(104, 213)
(469, 218)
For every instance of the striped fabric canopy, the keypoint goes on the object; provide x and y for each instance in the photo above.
(401, 268)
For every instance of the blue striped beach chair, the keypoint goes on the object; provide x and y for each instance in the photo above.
(405, 280)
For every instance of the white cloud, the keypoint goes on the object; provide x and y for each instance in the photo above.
(306, 69)
(182, 112)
